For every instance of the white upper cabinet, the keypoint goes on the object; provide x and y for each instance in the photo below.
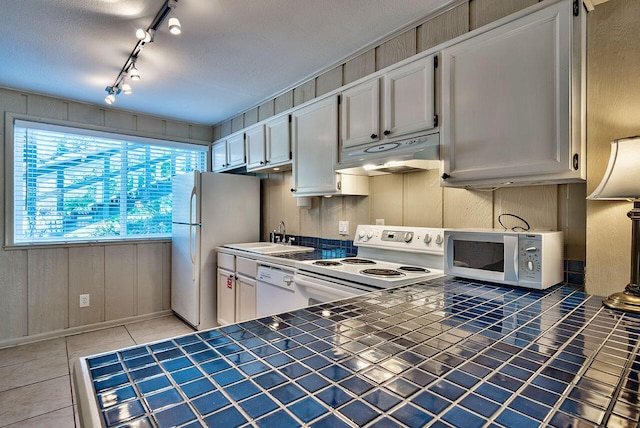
(228, 153)
(278, 141)
(314, 134)
(254, 140)
(402, 101)
(513, 103)
(269, 145)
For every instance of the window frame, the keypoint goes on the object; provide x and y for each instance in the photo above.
(13, 119)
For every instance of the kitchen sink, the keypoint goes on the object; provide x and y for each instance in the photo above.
(269, 248)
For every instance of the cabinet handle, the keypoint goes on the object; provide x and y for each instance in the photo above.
(374, 136)
(445, 176)
(261, 163)
(387, 132)
(293, 190)
(266, 162)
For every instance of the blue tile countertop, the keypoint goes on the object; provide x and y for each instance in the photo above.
(445, 353)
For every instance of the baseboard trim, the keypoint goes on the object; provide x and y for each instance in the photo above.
(5, 343)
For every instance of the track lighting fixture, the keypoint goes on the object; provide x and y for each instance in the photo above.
(144, 36)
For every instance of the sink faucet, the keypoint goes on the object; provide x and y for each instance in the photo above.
(282, 230)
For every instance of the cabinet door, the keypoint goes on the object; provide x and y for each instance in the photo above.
(409, 102)
(219, 155)
(361, 114)
(235, 150)
(255, 147)
(278, 140)
(245, 299)
(506, 100)
(226, 294)
(314, 131)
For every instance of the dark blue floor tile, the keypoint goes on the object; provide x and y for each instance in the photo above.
(163, 399)
(509, 418)
(530, 408)
(334, 372)
(210, 403)
(494, 393)
(134, 352)
(431, 402)
(195, 347)
(385, 422)
(480, 405)
(462, 379)
(227, 377)
(153, 384)
(330, 421)
(411, 416)
(316, 362)
(419, 377)
(312, 382)
(118, 396)
(461, 418)
(254, 368)
(106, 370)
(140, 361)
(110, 382)
(307, 409)
(334, 396)
(356, 384)
(215, 366)
(287, 393)
(242, 390)
(102, 360)
(280, 419)
(278, 360)
(258, 405)
(198, 387)
(401, 387)
(293, 371)
(269, 379)
(177, 364)
(123, 413)
(227, 418)
(169, 354)
(359, 413)
(162, 346)
(447, 389)
(186, 375)
(203, 356)
(382, 399)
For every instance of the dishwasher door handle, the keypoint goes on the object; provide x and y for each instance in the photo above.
(301, 281)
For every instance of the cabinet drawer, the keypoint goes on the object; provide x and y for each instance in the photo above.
(226, 261)
(246, 267)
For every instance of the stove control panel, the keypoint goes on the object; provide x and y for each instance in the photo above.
(414, 239)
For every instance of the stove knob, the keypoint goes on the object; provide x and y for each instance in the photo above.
(370, 235)
(407, 237)
(361, 234)
(439, 239)
(427, 239)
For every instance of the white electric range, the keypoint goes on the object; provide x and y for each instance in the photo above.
(387, 256)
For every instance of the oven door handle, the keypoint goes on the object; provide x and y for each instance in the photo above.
(314, 284)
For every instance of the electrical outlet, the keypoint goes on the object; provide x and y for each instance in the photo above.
(343, 227)
(84, 300)
(380, 221)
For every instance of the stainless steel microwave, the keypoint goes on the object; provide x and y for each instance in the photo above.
(524, 259)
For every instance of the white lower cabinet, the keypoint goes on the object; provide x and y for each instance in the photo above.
(513, 102)
(236, 289)
(226, 297)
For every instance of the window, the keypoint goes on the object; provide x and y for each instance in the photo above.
(77, 185)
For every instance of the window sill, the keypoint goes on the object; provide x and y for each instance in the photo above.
(85, 244)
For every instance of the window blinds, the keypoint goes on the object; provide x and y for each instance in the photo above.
(77, 186)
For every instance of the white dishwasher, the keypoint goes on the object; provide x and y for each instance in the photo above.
(275, 291)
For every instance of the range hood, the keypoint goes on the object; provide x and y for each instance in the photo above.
(418, 153)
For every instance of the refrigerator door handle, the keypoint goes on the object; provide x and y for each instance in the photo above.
(192, 250)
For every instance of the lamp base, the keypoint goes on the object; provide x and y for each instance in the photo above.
(623, 301)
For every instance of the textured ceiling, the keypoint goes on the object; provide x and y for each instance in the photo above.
(231, 55)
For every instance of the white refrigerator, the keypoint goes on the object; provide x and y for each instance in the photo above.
(209, 210)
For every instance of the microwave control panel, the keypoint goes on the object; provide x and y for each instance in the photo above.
(530, 257)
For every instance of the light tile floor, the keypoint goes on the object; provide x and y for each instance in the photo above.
(35, 379)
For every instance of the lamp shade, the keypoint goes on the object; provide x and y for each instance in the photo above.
(622, 178)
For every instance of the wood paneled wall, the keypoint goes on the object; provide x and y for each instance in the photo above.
(40, 287)
(613, 106)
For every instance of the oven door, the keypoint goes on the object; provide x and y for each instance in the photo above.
(312, 290)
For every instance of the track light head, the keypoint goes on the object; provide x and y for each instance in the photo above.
(134, 73)
(126, 88)
(145, 36)
(174, 26)
(111, 94)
